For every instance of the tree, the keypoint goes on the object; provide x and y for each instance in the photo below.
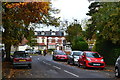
(75, 36)
(106, 26)
(107, 21)
(79, 44)
(16, 18)
(91, 27)
(74, 30)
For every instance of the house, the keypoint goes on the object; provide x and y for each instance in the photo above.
(50, 39)
(22, 46)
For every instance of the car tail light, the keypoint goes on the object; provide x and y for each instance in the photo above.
(28, 59)
(16, 59)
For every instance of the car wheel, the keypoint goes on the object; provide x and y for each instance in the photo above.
(73, 63)
(54, 58)
(84, 66)
(101, 68)
(117, 73)
(68, 62)
(78, 64)
(29, 66)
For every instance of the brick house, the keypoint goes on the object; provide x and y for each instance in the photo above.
(50, 39)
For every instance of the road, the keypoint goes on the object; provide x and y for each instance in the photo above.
(45, 67)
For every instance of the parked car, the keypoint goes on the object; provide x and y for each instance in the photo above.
(73, 57)
(38, 52)
(59, 55)
(91, 59)
(117, 67)
(21, 58)
(31, 51)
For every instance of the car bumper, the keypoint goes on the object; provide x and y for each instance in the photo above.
(95, 64)
(75, 62)
(62, 58)
(22, 63)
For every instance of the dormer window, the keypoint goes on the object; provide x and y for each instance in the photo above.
(42, 33)
(35, 33)
(53, 33)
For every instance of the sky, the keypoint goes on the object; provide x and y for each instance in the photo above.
(72, 9)
(69, 10)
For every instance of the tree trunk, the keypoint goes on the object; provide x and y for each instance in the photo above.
(7, 50)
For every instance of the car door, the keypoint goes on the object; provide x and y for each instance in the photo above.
(118, 62)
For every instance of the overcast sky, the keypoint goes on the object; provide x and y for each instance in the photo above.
(72, 9)
(69, 10)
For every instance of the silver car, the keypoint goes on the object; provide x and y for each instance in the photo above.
(117, 67)
(73, 57)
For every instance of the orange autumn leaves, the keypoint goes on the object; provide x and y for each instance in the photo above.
(28, 11)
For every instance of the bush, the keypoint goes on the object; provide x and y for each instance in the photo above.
(81, 45)
(108, 50)
(50, 50)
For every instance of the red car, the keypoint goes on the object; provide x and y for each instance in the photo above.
(59, 55)
(91, 59)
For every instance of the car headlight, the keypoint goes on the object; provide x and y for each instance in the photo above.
(102, 60)
(88, 59)
(75, 59)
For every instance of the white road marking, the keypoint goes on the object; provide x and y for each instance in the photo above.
(38, 58)
(56, 67)
(71, 73)
(46, 63)
(43, 61)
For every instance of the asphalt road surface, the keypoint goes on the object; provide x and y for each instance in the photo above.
(45, 67)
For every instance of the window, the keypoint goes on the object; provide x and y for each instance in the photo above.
(92, 55)
(43, 40)
(42, 33)
(53, 33)
(77, 53)
(53, 41)
(35, 33)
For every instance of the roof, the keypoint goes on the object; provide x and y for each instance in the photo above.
(76, 51)
(58, 51)
(91, 51)
(49, 33)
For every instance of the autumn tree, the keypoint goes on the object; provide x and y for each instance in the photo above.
(16, 17)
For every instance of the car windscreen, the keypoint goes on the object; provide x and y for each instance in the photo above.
(60, 53)
(93, 55)
(77, 53)
(22, 55)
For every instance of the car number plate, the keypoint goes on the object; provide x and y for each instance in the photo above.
(62, 58)
(22, 60)
(96, 64)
